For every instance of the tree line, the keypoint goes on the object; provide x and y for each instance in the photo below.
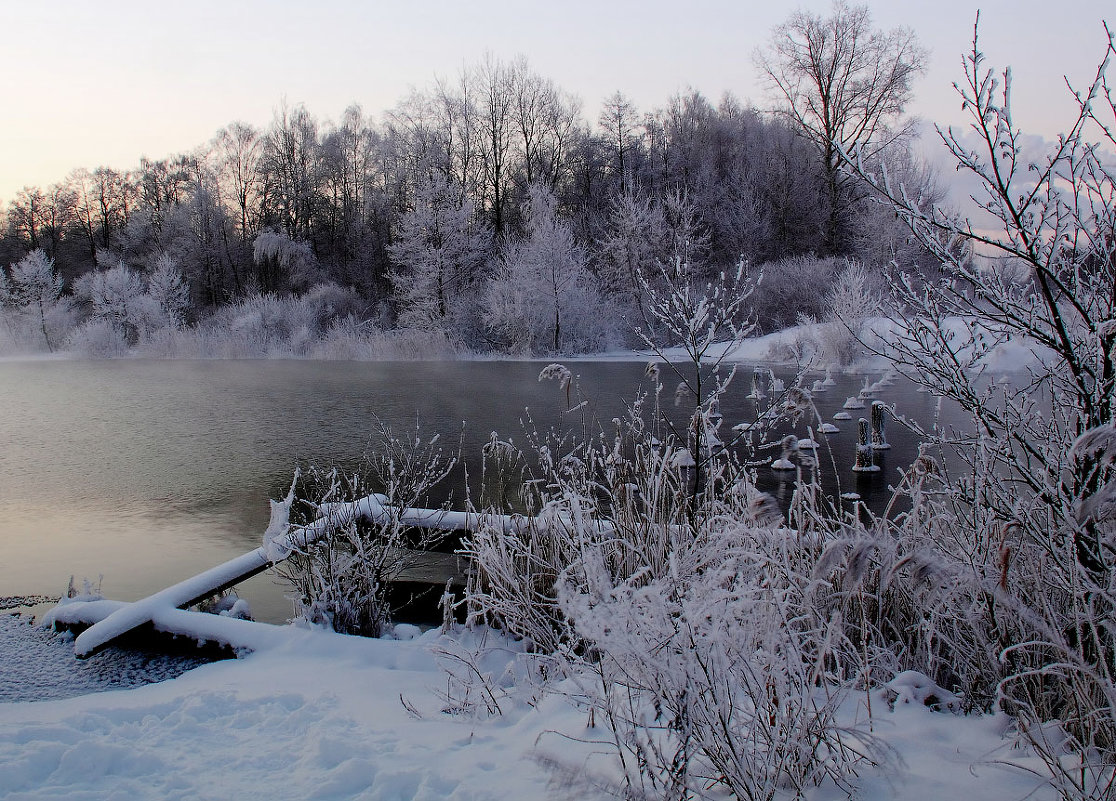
(487, 208)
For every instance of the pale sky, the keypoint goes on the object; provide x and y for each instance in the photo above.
(85, 84)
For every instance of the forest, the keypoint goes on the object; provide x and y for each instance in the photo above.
(485, 213)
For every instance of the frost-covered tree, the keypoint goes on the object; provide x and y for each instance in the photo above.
(168, 291)
(633, 240)
(436, 255)
(290, 163)
(239, 150)
(491, 84)
(284, 261)
(543, 298)
(686, 231)
(118, 298)
(618, 119)
(853, 298)
(544, 121)
(33, 290)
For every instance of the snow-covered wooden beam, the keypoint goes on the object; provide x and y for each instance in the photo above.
(200, 626)
(185, 593)
(281, 540)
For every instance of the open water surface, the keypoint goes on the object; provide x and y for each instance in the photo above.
(146, 472)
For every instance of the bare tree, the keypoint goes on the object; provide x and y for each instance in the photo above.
(492, 85)
(1035, 500)
(618, 119)
(239, 150)
(25, 215)
(290, 162)
(81, 182)
(544, 121)
(844, 86)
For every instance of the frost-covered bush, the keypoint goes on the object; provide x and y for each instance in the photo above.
(721, 672)
(1029, 512)
(793, 287)
(343, 580)
(354, 339)
(580, 498)
(98, 338)
(286, 261)
(128, 309)
(327, 322)
(694, 627)
(263, 325)
(272, 325)
(34, 313)
(854, 297)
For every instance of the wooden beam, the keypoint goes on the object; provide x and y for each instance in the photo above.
(200, 626)
(197, 588)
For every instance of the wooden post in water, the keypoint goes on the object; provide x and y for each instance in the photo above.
(879, 436)
(863, 449)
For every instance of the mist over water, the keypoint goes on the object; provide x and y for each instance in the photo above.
(147, 472)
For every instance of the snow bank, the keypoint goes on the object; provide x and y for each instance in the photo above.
(780, 347)
(320, 715)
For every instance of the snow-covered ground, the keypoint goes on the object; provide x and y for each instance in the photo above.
(781, 347)
(320, 715)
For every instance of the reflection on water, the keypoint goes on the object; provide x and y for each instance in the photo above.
(147, 472)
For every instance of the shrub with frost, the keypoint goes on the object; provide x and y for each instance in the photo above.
(792, 287)
(852, 299)
(291, 260)
(343, 580)
(128, 309)
(1036, 271)
(719, 673)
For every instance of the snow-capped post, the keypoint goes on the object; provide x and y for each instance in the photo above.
(863, 449)
(788, 444)
(276, 540)
(757, 392)
(879, 436)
